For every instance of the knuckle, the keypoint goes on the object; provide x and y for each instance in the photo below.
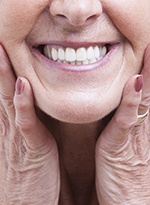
(122, 123)
(25, 125)
(22, 105)
(133, 103)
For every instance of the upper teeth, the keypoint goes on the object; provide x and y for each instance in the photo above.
(79, 56)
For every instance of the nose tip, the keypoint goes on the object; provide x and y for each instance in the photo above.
(81, 13)
(76, 12)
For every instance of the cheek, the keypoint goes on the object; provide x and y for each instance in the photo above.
(18, 17)
(132, 18)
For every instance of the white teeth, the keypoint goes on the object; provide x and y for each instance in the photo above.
(75, 57)
(81, 54)
(73, 63)
(70, 54)
(85, 62)
(47, 52)
(78, 63)
(93, 60)
(90, 53)
(103, 51)
(54, 54)
(96, 52)
(61, 54)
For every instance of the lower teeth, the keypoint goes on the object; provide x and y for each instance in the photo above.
(86, 62)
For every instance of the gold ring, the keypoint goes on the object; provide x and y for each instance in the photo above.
(141, 118)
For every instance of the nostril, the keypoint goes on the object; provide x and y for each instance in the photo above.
(62, 16)
(93, 17)
(76, 12)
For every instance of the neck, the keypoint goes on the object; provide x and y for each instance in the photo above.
(75, 134)
(76, 145)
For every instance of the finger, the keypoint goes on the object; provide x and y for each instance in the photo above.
(145, 102)
(118, 129)
(7, 82)
(27, 122)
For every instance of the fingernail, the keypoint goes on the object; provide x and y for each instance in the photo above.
(138, 83)
(19, 86)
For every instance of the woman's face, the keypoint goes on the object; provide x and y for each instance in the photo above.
(77, 54)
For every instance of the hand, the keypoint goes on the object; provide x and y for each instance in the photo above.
(29, 167)
(123, 149)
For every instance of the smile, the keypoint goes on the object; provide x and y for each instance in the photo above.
(79, 56)
(75, 57)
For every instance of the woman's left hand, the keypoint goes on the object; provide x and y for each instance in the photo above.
(123, 148)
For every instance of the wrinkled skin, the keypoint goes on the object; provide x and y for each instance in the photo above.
(28, 153)
(122, 156)
(35, 155)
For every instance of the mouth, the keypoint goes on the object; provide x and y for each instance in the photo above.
(81, 55)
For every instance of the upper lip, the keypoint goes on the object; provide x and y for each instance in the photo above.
(100, 36)
(74, 45)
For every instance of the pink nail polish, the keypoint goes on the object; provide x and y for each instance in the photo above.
(19, 86)
(138, 83)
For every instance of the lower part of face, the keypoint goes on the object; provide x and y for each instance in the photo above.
(70, 90)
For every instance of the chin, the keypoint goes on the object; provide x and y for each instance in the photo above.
(79, 113)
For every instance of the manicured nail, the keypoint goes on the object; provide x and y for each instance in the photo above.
(138, 83)
(19, 86)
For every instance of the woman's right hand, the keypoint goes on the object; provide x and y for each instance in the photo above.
(29, 165)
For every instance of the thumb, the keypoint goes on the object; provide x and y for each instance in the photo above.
(145, 101)
(116, 133)
(27, 122)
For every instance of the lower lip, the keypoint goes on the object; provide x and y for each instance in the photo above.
(76, 68)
